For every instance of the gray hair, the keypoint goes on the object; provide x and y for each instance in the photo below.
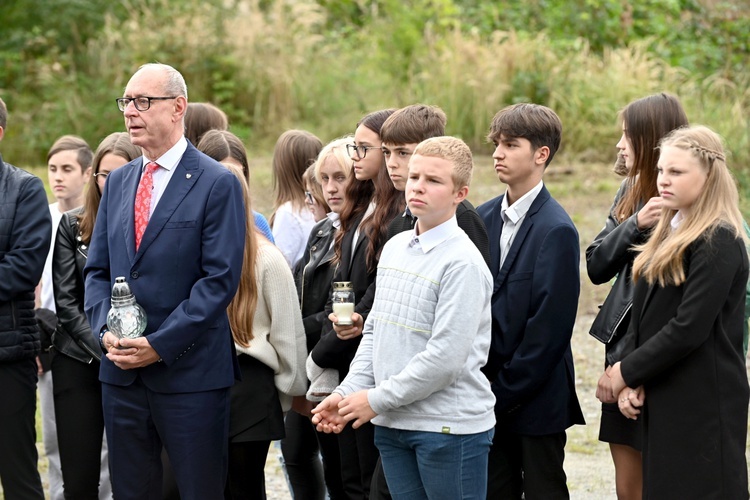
(175, 84)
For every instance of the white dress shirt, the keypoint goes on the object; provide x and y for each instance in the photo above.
(513, 216)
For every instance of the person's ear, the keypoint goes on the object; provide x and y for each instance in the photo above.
(461, 195)
(2, 133)
(541, 155)
(180, 108)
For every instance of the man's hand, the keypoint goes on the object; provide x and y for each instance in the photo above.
(346, 332)
(326, 415)
(356, 408)
(127, 354)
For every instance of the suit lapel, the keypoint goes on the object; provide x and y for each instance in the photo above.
(523, 231)
(127, 212)
(495, 229)
(183, 179)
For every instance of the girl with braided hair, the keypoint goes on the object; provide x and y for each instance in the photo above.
(634, 213)
(685, 378)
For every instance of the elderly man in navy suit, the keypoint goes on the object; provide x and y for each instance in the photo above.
(534, 259)
(172, 223)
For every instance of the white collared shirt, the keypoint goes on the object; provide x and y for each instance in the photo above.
(513, 216)
(334, 218)
(435, 236)
(368, 212)
(167, 163)
(677, 220)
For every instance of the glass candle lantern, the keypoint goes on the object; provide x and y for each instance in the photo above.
(343, 302)
(126, 319)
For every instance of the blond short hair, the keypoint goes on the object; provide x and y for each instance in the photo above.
(453, 150)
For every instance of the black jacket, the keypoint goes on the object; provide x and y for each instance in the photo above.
(25, 233)
(611, 255)
(331, 351)
(73, 335)
(313, 276)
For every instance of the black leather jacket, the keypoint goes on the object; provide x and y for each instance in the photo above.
(73, 335)
(610, 255)
(313, 275)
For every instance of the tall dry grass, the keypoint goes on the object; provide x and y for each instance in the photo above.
(272, 65)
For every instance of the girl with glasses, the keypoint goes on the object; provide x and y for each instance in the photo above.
(371, 202)
(75, 364)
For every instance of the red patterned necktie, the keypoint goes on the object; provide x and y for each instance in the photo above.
(143, 201)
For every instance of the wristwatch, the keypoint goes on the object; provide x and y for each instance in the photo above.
(101, 338)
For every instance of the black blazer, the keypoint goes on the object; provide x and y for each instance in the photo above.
(331, 351)
(534, 304)
(689, 359)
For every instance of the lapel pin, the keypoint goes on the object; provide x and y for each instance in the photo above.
(188, 176)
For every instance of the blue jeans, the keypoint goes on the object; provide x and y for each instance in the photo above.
(421, 465)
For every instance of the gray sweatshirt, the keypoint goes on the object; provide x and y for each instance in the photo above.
(427, 336)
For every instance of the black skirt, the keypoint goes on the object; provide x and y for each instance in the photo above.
(615, 428)
(255, 413)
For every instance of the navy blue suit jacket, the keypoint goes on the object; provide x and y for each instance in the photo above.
(534, 303)
(184, 274)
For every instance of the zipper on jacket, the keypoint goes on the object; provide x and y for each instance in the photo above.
(13, 314)
(302, 283)
(619, 321)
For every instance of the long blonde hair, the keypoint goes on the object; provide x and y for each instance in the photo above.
(661, 258)
(241, 310)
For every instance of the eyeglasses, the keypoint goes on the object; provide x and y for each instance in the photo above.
(142, 103)
(103, 175)
(309, 198)
(360, 151)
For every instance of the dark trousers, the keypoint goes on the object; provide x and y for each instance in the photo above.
(18, 455)
(193, 427)
(379, 487)
(302, 448)
(247, 480)
(529, 467)
(80, 425)
(358, 458)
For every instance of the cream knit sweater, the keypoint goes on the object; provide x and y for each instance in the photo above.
(278, 334)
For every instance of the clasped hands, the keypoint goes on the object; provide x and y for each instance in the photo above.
(335, 411)
(127, 354)
(612, 388)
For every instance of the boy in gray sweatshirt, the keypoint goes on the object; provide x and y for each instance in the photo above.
(416, 373)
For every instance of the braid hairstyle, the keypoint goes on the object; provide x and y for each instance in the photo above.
(660, 259)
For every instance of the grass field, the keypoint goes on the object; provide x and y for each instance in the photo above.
(585, 190)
